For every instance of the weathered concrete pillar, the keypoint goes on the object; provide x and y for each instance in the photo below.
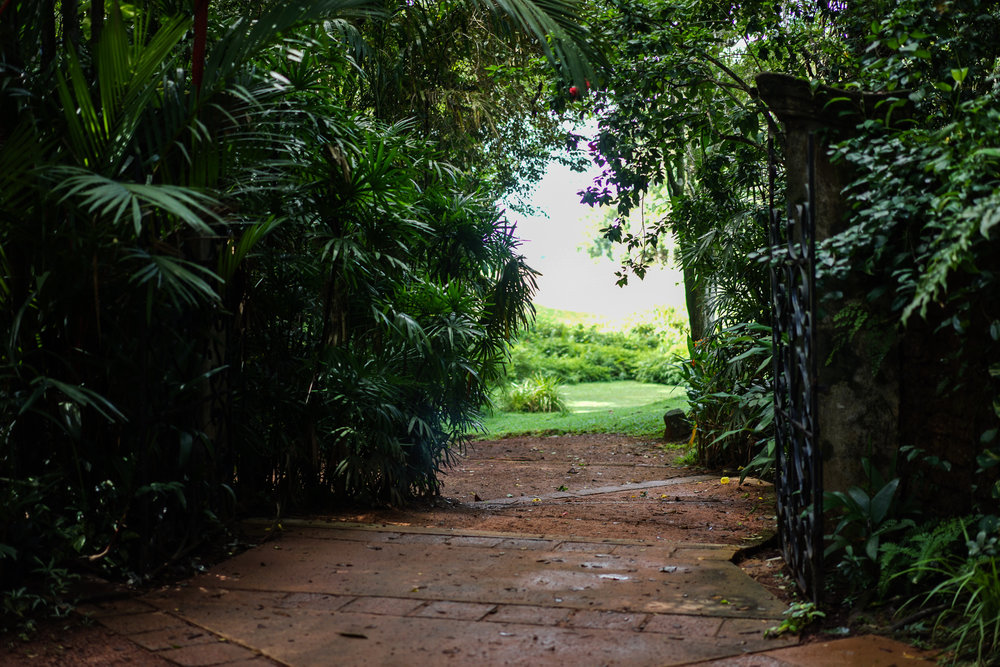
(858, 400)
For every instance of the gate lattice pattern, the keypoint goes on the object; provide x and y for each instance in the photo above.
(798, 460)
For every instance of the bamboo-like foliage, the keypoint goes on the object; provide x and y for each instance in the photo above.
(231, 294)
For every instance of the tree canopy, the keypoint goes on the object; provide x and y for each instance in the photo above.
(680, 111)
(683, 140)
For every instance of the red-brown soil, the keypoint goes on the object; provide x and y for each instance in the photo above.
(527, 472)
(73, 643)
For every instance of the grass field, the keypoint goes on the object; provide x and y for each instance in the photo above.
(632, 408)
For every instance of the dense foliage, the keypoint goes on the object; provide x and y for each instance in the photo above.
(680, 120)
(682, 144)
(647, 350)
(729, 394)
(251, 257)
(923, 233)
(251, 253)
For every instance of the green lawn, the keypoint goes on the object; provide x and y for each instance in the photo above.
(632, 408)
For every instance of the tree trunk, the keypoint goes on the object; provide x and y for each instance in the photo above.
(694, 298)
(47, 12)
(10, 52)
(96, 22)
(71, 23)
(199, 45)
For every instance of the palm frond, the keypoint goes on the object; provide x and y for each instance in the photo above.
(185, 282)
(102, 127)
(77, 394)
(242, 41)
(20, 152)
(120, 201)
(555, 28)
(233, 253)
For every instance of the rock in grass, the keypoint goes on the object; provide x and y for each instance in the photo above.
(676, 425)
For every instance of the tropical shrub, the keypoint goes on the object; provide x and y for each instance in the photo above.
(729, 396)
(865, 518)
(537, 394)
(35, 543)
(948, 570)
(236, 274)
(647, 350)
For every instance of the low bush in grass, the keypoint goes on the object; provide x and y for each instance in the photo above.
(536, 394)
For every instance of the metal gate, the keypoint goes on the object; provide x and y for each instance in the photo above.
(798, 460)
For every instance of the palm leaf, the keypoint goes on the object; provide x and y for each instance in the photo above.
(239, 44)
(185, 282)
(234, 252)
(120, 200)
(102, 134)
(113, 66)
(77, 394)
(20, 152)
(82, 122)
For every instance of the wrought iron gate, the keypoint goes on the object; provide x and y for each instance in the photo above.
(798, 460)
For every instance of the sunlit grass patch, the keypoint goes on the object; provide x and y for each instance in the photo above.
(627, 407)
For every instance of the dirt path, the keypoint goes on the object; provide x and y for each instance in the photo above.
(592, 486)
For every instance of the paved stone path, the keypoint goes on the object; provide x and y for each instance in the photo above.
(336, 594)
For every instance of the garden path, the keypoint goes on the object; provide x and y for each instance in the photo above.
(602, 561)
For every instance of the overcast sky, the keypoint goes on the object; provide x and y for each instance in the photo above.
(571, 279)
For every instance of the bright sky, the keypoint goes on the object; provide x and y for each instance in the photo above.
(572, 280)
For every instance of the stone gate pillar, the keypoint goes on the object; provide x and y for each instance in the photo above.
(858, 392)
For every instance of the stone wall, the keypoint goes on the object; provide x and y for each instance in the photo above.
(879, 391)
